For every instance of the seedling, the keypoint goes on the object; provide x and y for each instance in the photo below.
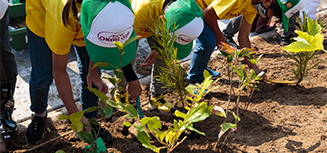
(232, 55)
(170, 139)
(306, 46)
(171, 74)
(96, 144)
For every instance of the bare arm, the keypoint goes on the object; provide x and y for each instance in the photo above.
(244, 31)
(62, 81)
(211, 18)
(60, 75)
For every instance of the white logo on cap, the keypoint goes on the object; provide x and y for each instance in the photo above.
(109, 37)
(183, 39)
(190, 31)
(113, 23)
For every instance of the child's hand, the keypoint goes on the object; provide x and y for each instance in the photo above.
(134, 89)
(151, 58)
(93, 78)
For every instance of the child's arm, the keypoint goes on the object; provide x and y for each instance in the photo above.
(134, 87)
(211, 18)
(94, 78)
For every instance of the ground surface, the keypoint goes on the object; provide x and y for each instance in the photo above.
(279, 118)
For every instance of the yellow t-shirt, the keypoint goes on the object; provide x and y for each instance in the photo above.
(145, 12)
(44, 18)
(226, 9)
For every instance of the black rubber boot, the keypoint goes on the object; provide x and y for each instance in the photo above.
(8, 126)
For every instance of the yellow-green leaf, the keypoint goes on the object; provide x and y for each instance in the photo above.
(119, 45)
(305, 42)
(63, 117)
(100, 64)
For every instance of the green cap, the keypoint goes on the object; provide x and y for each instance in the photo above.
(187, 18)
(289, 8)
(104, 22)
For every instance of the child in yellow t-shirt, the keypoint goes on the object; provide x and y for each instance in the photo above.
(53, 27)
(211, 35)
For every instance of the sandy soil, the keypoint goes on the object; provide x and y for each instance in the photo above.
(279, 118)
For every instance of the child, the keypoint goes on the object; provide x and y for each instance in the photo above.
(52, 28)
(211, 35)
(189, 23)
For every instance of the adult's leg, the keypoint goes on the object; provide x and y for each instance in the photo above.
(41, 75)
(205, 45)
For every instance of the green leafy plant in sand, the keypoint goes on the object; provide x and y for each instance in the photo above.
(249, 81)
(171, 75)
(198, 111)
(96, 144)
(306, 46)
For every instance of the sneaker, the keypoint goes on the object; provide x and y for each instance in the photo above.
(104, 134)
(160, 103)
(230, 41)
(214, 74)
(122, 97)
(34, 132)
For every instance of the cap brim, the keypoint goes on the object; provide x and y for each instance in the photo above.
(111, 55)
(285, 21)
(183, 50)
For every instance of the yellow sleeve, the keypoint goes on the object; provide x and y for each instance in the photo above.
(145, 12)
(250, 16)
(223, 7)
(58, 36)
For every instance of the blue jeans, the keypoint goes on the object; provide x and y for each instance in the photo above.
(205, 45)
(41, 75)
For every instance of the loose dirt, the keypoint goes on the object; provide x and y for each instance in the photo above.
(279, 118)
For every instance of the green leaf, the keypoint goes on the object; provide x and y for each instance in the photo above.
(159, 134)
(63, 117)
(227, 126)
(235, 116)
(305, 42)
(76, 116)
(76, 126)
(143, 138)
(119, 45)
(99, 94)
(219, 111)
(60, 151)
(93, 121)
(195, 130)
(107, 110)
(127, 124)
(111, 103)
(180, 114)
(131, 39)
(129, 116)
(131, 109)
(100, 64)
(199, 112)
(253, 61)
(87, 137)
(313, 27)
(152, 122)
(91, 109)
